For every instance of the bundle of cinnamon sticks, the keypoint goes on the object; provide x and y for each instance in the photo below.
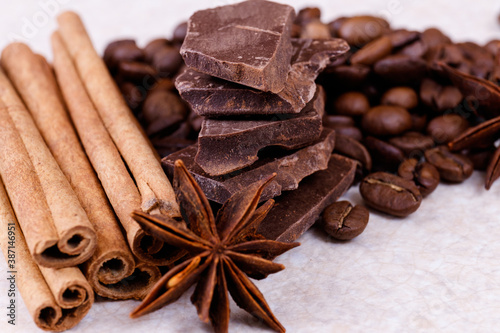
(74, 164)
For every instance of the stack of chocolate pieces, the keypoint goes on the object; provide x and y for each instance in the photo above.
(254, 86)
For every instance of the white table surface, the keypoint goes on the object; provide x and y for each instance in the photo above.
(434, 271)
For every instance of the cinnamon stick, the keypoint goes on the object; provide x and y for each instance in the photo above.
(37, 295)
(156, 191)
(46, 242)
(104, 156)
(112, 261)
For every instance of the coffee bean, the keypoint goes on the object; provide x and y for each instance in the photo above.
(122, 50)
(385, 156)
(402, 37)
(162, 110)
(342, 221)
(417, 49)
(404, 97)
(386, 120)
(493, 46)
(349, 131)
(315, 30)
(350, 76)
(335, 26)
(167, 61)
(306, 15)
(418, 121)
(133, 95)
(401, 69)
(390, 194)
(137, 72)
(373, 51)
(433, 37)
(180, 33)
(448, 98)
(452, 167)
(424, 175)
(447, 127)
(351, 104)
(335, 121)
(154, 46)
(359, 30)
(412, 144)
(349, 147)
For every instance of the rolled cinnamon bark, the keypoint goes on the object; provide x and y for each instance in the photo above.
(33, 78)
(154, 186)
(104, 156)
(71, 286)
(50, 245)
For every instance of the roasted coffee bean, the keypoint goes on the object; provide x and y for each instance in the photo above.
(385, 156)
(306, 15)
(137, 72)
(412, 144)
(342, 221)
(335, 25)
(350, 76)
(334, 121)
(162, 110)
(390, 194)
(402, 37)
(349, 131)
(447, 127)
(400, 68)
(404, 97)
(384, 120)
(433, 37)
(418, 121)
(417, 49)
(448, 98)
(359, 30)
(180, 33)
(352, 148)
(315, 30)
(122, 50)
(452, 167)
(493, 46)
(373, 52)
(133, 95)
(167, 61)
(424, 175)
(154, 46)
(352, 103)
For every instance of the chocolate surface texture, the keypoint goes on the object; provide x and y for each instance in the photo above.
(226, 145)
(290, 167)
(248, 43)
(210, 96)
(296, 211)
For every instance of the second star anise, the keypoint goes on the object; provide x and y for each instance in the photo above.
(224, 250)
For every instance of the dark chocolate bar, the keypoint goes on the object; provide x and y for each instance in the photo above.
(296, 211)
(210, 96)
(226, 145)
(248, 43)
(290, 167)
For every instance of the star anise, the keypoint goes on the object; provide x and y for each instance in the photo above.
(224, 250)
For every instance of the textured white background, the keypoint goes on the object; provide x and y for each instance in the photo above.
(437, 270)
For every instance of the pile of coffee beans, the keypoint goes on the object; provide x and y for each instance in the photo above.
(391, 99)
(145, 77)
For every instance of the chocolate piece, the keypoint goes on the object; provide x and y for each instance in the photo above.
(290, 167)
(296, 211)
(247, 43)
(229, 145)
(209, 96)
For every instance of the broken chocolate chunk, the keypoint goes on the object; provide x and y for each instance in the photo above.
(290, 167)
(210, 96)
(248, 43)
(227, 145)
(296, 211)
